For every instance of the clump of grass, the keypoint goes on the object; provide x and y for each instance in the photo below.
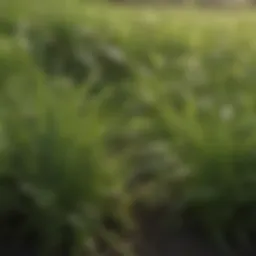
(211, 181)
(55, 169)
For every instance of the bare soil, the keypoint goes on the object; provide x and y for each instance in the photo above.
(156, 238)
(159, 239)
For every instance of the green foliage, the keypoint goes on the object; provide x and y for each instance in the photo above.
(171, 117)
(50, 156)
(69, 48)
(55, 168)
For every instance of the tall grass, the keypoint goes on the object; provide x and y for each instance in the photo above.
(102, 105)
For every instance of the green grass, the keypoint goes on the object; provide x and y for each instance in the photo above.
(101, 106)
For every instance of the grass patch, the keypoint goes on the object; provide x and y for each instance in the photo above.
(105, 106)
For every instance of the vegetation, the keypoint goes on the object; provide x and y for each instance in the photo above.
(102, 107)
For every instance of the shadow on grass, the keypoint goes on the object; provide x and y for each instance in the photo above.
(159, 239)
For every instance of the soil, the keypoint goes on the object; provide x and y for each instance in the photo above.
(156, 238)
(159, 239)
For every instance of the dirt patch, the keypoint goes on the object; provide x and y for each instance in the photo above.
(156, 238)
(161, 239)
